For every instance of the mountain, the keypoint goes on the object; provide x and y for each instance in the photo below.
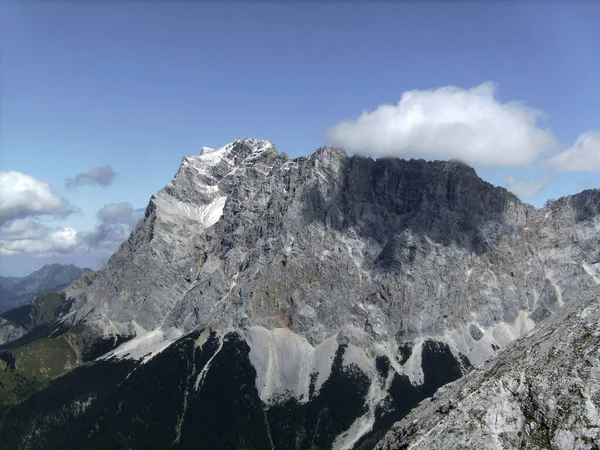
(264, 302)
(15, 291)
(37, 317)
(541, 392)
(6, 298)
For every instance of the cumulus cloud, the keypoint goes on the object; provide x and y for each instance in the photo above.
(23, 196)
(583, 156)
(119, 213)
(33, 238)
(527, 188)
(28, 237)
(105, 236)
(449, 122)
(115, 223)
(23, 229)
(101, 176)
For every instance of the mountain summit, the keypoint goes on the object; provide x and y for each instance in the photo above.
(305, 303)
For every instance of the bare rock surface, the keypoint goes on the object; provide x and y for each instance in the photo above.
(540, 392)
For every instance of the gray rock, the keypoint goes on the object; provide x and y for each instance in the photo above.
(10, 331)
(540, 392)
(399, 248)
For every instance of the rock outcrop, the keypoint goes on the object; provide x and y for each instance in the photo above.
(541, 392)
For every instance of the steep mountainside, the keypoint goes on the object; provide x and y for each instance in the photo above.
(312, 301)
(15, 292)
(43, 312)
(7, 298)
(542, 392)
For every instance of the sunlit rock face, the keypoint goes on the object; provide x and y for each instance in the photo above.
(348, 285)
(540, 392)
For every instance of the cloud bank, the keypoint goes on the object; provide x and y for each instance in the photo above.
(23, 196)
(527, 188)
(29, 237)
(121, 213)
(583, 156)
(100, 176)
(449, 122)
(116, 221)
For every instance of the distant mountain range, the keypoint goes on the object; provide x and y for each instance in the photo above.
(19, 291)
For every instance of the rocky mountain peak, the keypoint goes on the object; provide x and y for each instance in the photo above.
(239, 220)
(329, 153)
(240, 150)
(328, 277)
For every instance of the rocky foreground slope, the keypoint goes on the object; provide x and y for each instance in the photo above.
(541, 392)
(303, 303)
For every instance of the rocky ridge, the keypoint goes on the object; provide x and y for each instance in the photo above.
(369, 253)
(540, 392)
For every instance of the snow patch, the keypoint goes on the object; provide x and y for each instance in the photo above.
(207, 215)
(146, 344)
(204, 215)
(211, 156)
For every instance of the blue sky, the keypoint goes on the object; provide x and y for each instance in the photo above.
(138, 85)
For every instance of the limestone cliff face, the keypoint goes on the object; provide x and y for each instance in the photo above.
(399, 249)
(399, 274)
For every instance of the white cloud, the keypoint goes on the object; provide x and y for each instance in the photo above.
(24, 196)
(28, 237)
(33, 238)
(64, 238)
(449, 122)
(583, 156)
(23, 229)
(527, 188)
